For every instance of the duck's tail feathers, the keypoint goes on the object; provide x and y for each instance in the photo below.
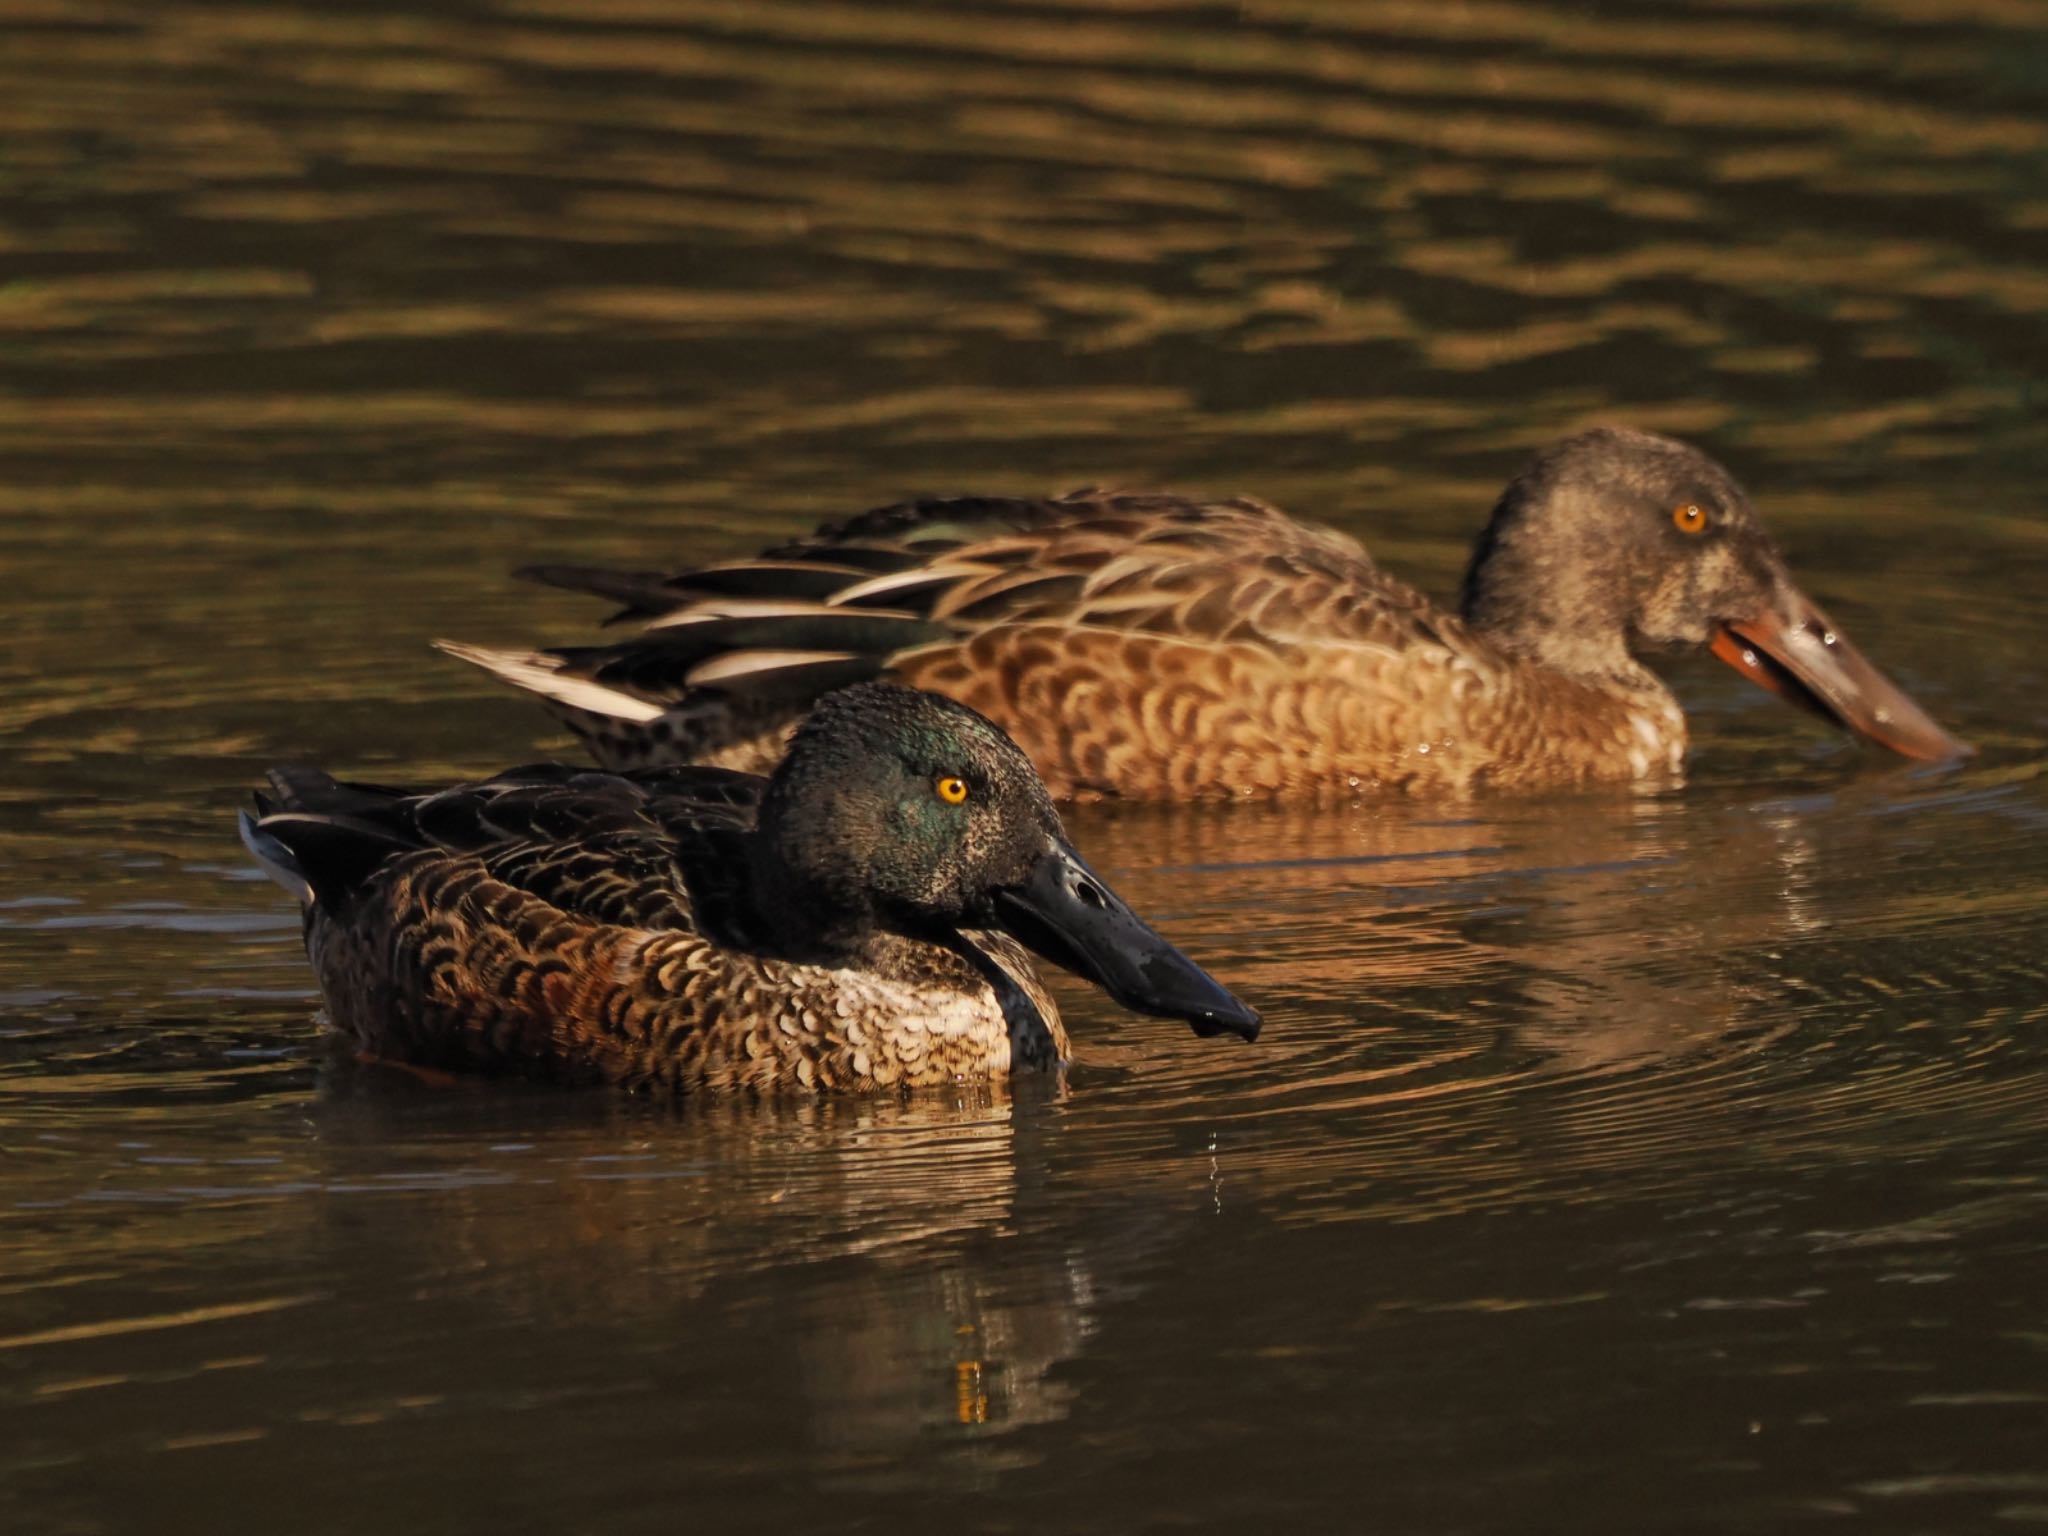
(650, 594)
(762, 648)
(548, 674)
(273, 857)
(318, 838)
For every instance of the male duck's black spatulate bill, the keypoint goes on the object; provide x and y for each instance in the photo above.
(1066, 913)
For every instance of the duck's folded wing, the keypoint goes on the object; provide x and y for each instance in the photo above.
(849, 601)
(603, 846)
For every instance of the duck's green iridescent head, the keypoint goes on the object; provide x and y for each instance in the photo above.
(904, 810)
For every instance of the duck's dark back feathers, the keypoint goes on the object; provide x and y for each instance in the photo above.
(606, 846)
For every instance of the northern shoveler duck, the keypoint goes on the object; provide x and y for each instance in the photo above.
(852, 922)
(1155, 647)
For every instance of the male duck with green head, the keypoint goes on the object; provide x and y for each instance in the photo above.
(858, 920)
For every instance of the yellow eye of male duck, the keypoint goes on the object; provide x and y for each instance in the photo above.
(1690, 517)
(950, 789)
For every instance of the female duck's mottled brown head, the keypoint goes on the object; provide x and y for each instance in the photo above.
(1614, 543)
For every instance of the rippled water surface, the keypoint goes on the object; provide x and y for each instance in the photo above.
(1610, 1163)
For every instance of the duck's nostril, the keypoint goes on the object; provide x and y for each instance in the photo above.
(1091, 893)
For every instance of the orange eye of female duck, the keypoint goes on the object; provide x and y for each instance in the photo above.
(1690, 517)
(950, 789)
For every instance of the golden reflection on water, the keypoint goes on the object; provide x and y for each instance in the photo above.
(1637, 980)
(1016, 152)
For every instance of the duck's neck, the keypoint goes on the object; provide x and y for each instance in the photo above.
(1589, 659)
(1564, 615)
(815, 910)
(803, 918)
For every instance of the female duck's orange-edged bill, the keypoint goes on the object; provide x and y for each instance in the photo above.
(857, 921)
(1153, 646)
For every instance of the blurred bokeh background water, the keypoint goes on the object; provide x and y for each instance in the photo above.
(1610, 1163)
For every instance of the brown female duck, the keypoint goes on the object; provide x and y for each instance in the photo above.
(1150, 646)
(852, 922)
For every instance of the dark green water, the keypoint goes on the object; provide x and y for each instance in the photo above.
(1610, 1163)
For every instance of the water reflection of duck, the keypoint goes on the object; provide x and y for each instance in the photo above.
(1156, 647)
(824, 928)
(876, 1268)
